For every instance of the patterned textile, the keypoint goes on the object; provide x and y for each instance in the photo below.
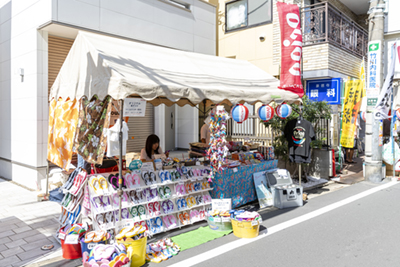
(239, 185)
(90, 138)
(63, 118)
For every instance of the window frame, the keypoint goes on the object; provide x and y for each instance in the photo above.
(248, 26)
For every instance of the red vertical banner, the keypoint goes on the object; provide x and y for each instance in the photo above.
(291, 48)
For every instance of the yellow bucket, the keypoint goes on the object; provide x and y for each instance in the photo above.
(243, 229)
(136, 251)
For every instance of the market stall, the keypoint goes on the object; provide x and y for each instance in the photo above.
(100, 68)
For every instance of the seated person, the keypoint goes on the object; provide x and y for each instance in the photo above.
(152, 148)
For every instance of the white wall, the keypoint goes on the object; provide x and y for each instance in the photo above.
(393, 18)
(153, 21)
(23, 116)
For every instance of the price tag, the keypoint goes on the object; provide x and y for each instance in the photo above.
(254, 223)
(235, 170)
(72, 239)
(216, 219)
(147, 166)
(197, 163)
(139, 190)
(226, 219)
(181, 183)
(153, 186)
(61, 236)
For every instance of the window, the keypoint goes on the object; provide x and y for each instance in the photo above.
(241, 14)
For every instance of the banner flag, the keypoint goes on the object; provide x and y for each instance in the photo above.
(351, 107)
(291, 48)
(364, 88)
(385, 97)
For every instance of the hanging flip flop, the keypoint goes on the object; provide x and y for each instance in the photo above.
(179, 204)
(134, 212)
(187, 217)
(161, 174)
(161, 192)
(167, 192)
(142, 212)
(146, 177)
(150, 209)
(157, 208)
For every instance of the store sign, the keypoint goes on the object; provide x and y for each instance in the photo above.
(221, 204)
(134, 107)
(324, 90)
(374, 72)
(291, 48)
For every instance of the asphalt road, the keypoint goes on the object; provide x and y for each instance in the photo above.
(364, 232)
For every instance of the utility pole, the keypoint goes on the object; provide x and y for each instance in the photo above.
(373, 152)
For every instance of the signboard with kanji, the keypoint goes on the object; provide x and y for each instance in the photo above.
(324, 90)
(374, 72)
(351, 107)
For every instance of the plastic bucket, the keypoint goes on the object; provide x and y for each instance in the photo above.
(87, 247)
(136, 251)
(71, 251)
(243, 229)
(219, 226)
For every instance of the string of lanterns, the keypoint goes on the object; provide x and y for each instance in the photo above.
(240, 112)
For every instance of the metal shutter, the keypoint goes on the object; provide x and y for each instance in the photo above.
(58, 50)
(140, 128)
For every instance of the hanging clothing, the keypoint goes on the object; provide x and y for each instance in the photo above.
(113, 139)
(94, 119)
(299, 134)
(63, 118)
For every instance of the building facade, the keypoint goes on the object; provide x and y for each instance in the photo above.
(35, 37)
(335, 39)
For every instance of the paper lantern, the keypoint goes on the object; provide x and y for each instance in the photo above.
(363, 115)
(398, 114)
(265, 112)
(239, 113)
(283, 111)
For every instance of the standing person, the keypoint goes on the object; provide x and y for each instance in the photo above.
(205, 131)
(152, 147)
(350, 151)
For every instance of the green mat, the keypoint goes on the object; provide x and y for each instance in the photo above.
(197, 237)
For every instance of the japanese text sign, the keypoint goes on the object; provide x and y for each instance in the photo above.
(134, 107)
(374, 71)
(291, 47)
(324, 90)
(351, 107)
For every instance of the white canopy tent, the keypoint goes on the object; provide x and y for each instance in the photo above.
(102, 65)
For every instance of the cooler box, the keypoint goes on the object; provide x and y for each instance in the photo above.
(284, 193)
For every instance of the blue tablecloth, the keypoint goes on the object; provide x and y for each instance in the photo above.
(239, 185)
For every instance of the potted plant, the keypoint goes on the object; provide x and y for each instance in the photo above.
(312, 111)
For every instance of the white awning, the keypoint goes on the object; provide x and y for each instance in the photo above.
(101, 65)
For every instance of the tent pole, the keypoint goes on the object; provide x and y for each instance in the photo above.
(121, 117)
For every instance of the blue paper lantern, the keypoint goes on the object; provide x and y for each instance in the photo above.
(239, 113)
(265, 112)
(283, 111)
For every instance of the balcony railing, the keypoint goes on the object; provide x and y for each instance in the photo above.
(323, 23)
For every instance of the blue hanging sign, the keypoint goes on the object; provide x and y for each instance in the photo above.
(324, 90)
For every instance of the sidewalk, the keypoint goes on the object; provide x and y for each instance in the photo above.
(25, 225)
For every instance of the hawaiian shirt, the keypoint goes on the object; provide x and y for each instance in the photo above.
(93, 122)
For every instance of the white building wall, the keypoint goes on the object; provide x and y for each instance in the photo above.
(393, 18)
(23, 103)
(23, 115)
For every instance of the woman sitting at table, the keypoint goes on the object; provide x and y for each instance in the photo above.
(152, 148)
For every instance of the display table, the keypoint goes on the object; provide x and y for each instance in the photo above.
(239, 185)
